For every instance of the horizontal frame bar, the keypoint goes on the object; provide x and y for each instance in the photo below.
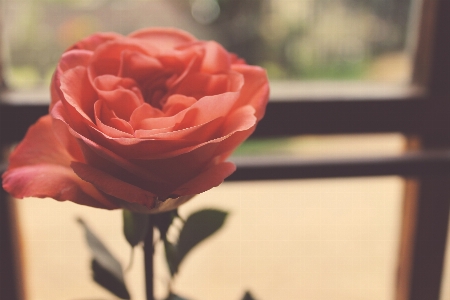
(420, 164)
(288, 118)
(284, 116)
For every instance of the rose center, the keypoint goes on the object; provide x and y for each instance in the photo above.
(155, 91)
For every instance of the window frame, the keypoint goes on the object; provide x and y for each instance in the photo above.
(420, 111)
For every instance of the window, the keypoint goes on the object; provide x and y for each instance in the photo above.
(420, 110)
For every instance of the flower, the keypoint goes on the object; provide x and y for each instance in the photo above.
(143, 122)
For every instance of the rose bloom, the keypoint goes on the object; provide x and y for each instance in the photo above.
(142, 122)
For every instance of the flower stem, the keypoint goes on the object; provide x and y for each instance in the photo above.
(148, 260)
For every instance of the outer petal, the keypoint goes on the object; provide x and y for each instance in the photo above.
(113, 186)
(255, 90)
(164, 38)
(53, 181)
(93, 41)
(69, 60)
(79, 94)
(40, 146)
(40, 167)
(208, 179)
(107, 161)
(216, 60)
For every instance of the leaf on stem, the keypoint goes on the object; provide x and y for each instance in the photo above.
(107, 270)
(163, 221)
(198, 226)
(171, 256)
(248, 296)
(107, 280)
(135, 226)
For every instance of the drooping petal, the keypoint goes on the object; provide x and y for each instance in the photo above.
(40, 167)
(53, 181)
(40, 146)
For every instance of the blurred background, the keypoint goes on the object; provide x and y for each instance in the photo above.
(292, 39)
(297, 239)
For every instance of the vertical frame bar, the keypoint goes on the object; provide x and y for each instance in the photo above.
(427, 201)
(11, 286)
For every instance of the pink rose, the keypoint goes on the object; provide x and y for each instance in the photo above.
(143, 122)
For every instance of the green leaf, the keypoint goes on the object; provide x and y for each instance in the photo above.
(248, 296)
(163, 221)
(107, 280)
(135, 226)
(107, 270)
(171, 256)
(198, 226)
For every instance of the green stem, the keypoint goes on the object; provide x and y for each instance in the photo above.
(148, 260)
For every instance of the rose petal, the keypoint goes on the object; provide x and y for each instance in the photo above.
(163, 38)
(237, 128)
(177, 103)
(109, 123)
(138, 66)
(210, 108)
(74, 58)
(202, 112)
(198, 133)
(199, 85)
(107, 56)
(93, 41)
(208, 179)
(255, 90)
(105, 160)
(121, 94)
(216, 60)
(53, 181)
(181, 70)
(78, 93)
(113, 186)
(40, 167)
(40, 146)
(181, 168)
(144, 111)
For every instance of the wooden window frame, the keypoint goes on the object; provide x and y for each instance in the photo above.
(421, 110)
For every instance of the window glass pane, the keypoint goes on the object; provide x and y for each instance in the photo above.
(327, 146)
(445, 287)
(299, 239)
(312, 39)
